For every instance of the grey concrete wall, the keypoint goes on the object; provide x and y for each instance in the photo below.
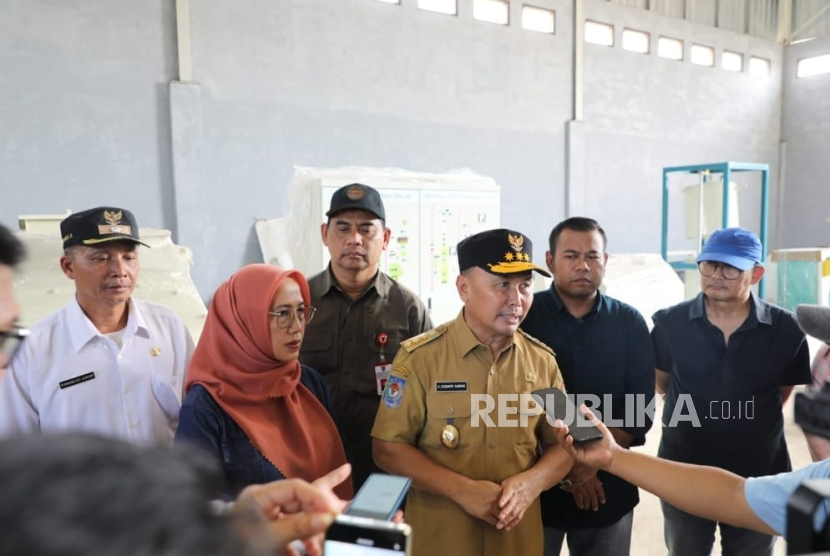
(86, 91)
(806, 132)
(644, 112)
(84, 107)
(327, 84)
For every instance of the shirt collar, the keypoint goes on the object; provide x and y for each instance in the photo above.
(381, 283)
(81, 329)
(467, 341)
(557, 302)
(762, 312)
(758, 312)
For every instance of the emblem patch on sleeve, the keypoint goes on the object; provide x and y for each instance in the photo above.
(393, 394)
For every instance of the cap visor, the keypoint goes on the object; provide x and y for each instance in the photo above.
(732, 260)
(93, 242)
(814, 320)
(515, 268)
(351, 207)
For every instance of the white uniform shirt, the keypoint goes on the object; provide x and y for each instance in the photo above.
(68, 376)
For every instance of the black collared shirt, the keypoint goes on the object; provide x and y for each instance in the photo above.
(608, 351)
(341, 343)
(734, 388)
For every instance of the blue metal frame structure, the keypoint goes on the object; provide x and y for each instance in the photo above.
(725, 168)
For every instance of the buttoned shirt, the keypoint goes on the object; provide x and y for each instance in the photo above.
(434, 379)
(606, 353)
(69, 376)
(734, 389)
(342, 343)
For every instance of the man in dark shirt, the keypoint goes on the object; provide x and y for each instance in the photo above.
(362, 317)
(727, 361)
(603, 349)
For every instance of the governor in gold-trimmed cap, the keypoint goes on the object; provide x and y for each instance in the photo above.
(106, 363)
(480, 480)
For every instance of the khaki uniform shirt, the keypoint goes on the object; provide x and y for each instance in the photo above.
(341, 343)
(432, 381)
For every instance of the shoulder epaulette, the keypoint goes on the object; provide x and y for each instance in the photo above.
(539, 343)
(422, 339)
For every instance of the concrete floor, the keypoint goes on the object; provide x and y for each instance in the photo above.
(647, 535)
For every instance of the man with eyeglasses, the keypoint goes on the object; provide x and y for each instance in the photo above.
(737, 358)
(362, 317)
(105, 363)
(11, 254)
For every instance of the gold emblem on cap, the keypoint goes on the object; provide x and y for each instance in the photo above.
(516, 242)
(114, 218)
(155, 352)
(355, 193)
(449, 437)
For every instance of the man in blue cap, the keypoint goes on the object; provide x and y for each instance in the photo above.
(727, 361)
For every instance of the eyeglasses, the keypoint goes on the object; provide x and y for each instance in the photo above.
(11, 340)
(286, 316)
(729, 272)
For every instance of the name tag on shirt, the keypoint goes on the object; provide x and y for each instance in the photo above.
(76, 380)
(381, 376)
(458, 386)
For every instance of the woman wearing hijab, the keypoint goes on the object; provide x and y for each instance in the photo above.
(248, 399)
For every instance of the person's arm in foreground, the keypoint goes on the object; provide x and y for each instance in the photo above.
(707, 492)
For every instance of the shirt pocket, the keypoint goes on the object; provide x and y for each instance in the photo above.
(166, 398)
(244, 465)
(448, 409)
(318, 352)
(528, 414)
(394, 337)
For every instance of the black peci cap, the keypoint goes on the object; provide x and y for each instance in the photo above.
(99, 225)
(498, 252)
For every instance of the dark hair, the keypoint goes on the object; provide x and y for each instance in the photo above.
(576, 224)
(83, 494)
(12, 251)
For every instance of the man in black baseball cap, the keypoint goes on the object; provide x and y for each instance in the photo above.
(106, 363)
(357, 196)
(483, 481)
(362, 316)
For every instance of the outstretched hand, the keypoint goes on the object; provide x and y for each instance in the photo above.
(297, 511)
(598, 454)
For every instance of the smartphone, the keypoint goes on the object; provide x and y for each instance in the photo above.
(379, 497)
(559, 406)
(360, 536)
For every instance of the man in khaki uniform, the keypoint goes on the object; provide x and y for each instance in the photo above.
(476, 483)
